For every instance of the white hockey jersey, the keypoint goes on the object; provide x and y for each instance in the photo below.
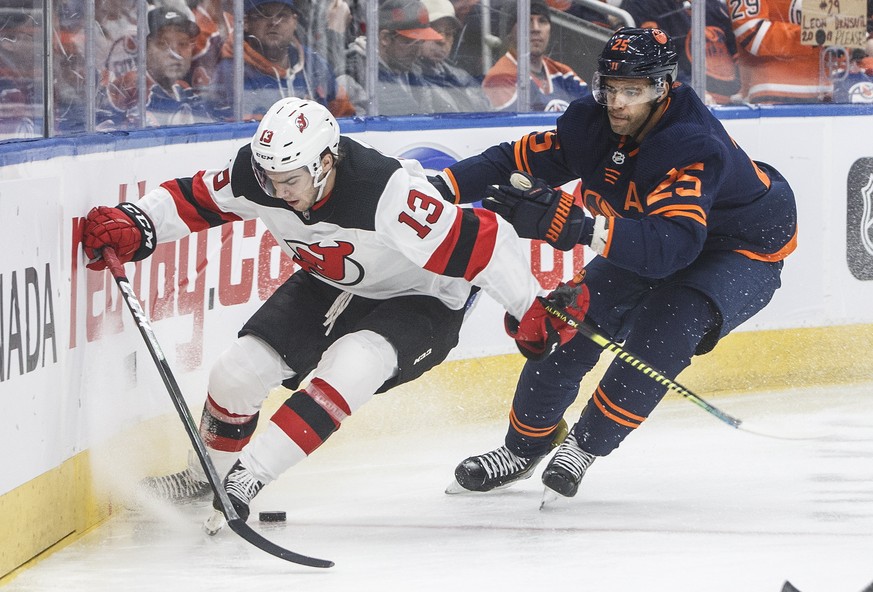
(383, 231)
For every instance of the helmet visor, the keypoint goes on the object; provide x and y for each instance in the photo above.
(611, 90)
(263, 180)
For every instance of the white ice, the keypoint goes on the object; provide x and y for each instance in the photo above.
(686, 504)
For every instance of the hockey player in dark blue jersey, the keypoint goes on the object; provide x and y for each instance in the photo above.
(690, 236)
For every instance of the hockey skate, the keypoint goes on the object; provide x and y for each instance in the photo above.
(498, 468)
(565, 470)
(241, 487)
(185, 486)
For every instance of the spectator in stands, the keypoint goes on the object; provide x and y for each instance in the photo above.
(674, 18)
(474, 45)
(775, 67)
(552, 86)
(116, 20)
(329, 28)
(856, 86)
(401, 88)
(170, 100)
(277, 65)
(215, 19)
(20, 105)
(454, 89)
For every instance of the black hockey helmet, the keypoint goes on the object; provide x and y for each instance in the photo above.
(637, 53)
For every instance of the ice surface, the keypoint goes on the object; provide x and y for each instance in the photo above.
(686, 504)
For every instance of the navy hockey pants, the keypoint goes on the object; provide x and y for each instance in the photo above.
(663, 321)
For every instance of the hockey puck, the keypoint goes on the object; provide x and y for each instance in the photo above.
(271, 516)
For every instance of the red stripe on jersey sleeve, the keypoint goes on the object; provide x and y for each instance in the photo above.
(485, 241)
(186, 210)
(194, 201)
(439, 260)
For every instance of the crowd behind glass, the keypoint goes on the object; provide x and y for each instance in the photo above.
(73, 66)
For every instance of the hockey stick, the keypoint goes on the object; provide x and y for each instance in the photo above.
(585, 329)
(236, 523)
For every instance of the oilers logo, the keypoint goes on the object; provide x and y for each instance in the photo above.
(861, 92)
(557, 106)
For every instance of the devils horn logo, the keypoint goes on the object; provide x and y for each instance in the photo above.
(301, 122)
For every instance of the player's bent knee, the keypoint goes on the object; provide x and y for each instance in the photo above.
(357, 364)
(245, 373)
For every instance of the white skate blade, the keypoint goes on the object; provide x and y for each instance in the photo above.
(214, 523)
(550, 496)
(454, 488)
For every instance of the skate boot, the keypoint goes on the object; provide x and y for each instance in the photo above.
(498, 468)
(566, 469)
(185, 486)
(241, 487)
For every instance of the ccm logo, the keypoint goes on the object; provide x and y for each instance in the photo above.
(422, 356)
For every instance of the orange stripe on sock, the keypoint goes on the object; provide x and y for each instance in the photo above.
(607, 407)
(526, 430)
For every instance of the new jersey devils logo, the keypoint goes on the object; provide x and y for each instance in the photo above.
(330, 261)
(301, 122)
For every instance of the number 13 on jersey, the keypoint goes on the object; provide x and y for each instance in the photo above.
(425, 211)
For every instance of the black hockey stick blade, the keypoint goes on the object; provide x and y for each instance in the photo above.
(233, 520)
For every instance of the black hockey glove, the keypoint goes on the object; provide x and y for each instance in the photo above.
(538, 211)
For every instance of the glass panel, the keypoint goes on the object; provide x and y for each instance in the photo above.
(562, 48)
(290, 49)
(21, 70)
(69, 67)
(173, 85)
(418, 73)
(115, 54)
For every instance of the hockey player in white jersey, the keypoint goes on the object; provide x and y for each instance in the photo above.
(386, 268)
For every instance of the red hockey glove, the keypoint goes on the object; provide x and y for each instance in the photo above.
(536, 210)
(125, 228)
(539, 333)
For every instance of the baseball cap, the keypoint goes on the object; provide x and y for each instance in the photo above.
(440, 9)
(250, 5)
(408, 18)
(536, 7)
(161, 17)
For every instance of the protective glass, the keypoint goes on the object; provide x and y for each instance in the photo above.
(606, 93)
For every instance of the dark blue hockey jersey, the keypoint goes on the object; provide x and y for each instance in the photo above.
(685, 188)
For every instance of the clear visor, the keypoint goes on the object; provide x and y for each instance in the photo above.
(610, 90)
(263, 180)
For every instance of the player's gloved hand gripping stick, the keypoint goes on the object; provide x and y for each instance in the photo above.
(233, 520)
